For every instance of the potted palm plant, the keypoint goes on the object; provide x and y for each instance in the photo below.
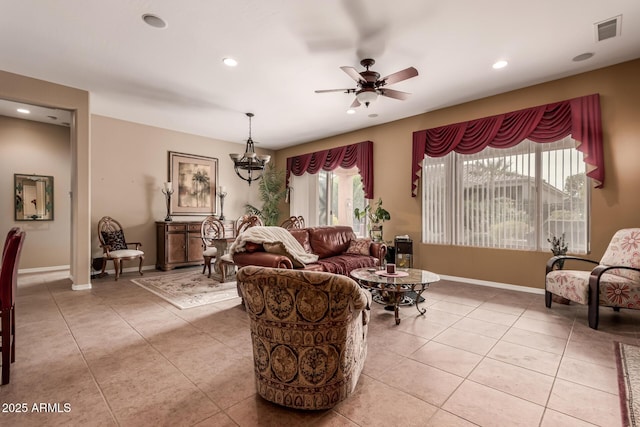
(271, 189)
(376, 216)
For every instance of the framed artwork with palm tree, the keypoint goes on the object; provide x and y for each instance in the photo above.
(195, 179)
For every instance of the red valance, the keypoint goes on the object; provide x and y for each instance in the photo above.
(348, 156)
(578, 117)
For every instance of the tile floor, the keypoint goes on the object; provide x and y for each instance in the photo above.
(119, 355)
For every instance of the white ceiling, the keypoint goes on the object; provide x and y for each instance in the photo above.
(174, 77)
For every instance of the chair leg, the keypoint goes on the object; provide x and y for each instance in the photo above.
(594, 302)
(6, 345)
(207, 264)
(547, 298)
(140, 266)
(13, 334)
(594, 316)
(223, 268)
(116, 266)
(104, 266)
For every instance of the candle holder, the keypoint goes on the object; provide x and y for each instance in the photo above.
(168, 191)
(222, 194)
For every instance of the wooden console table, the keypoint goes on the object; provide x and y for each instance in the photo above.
(178, 244)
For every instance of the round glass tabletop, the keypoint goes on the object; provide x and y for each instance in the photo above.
(413, 276)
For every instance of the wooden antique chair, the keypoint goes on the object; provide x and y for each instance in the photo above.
(210, 230)
(246, 221)
(242, 223)
(115, 246)
(293, 222)
(613, 282)
(8, 288)
(309, 334)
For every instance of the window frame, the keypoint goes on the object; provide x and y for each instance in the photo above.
(453, 225)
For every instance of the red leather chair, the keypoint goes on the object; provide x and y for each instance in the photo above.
(11, 232)
(8, 288)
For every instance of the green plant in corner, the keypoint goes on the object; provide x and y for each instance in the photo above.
(271, 189)
(558, 245)
(376, 216)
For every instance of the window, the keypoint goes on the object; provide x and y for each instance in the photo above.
(329, 198)
(512, 198)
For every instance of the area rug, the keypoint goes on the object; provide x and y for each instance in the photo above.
(628, 361)
(189, 289)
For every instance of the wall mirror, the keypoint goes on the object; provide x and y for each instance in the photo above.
(34, 197)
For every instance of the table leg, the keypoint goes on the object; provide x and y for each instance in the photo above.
(221, 246)
(422, 311)
(399, 296)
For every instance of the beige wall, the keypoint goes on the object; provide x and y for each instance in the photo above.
(38, 92)
(129, 165)
(615, 206)
(28, 147)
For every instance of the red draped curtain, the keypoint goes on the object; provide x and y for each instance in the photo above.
(578, 117)
(348, 156)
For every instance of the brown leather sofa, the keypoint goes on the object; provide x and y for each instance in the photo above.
(331, 244)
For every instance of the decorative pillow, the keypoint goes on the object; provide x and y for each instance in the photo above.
(253, 247)
(359, 247)
(115, 240)
(279, 249)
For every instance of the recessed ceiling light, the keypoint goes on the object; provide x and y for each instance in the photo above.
(230, 62)
(23, 111)
(500, 64)
(582, 57)
(351, 111)
(154, 20)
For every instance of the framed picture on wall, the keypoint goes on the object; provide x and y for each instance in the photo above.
(194, 179)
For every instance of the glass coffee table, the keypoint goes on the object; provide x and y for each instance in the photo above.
(395, 287)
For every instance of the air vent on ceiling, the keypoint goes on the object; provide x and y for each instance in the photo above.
(609, 28)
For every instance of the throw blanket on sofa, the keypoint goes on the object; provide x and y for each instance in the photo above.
(274, 235)
(343, 264)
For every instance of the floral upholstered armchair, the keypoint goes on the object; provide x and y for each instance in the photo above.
(309, 334)
(613, 282)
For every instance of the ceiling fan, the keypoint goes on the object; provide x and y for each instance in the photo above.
(370, 85)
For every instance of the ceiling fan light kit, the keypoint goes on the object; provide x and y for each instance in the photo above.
(370, 85)
(249, 166)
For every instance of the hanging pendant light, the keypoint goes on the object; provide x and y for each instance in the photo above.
(249, 166)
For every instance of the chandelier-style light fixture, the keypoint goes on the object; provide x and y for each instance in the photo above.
(249, 166)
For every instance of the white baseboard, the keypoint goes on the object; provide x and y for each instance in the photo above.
(81, 287)
(43, 269)
(493, 284)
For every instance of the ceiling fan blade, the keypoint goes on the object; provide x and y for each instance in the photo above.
(335, 90)
(355, 103)
(353, 73)
(399, 76)
(396, 94)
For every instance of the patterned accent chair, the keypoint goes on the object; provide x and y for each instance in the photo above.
(115, 246)
(613, 282)
(309, 334)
